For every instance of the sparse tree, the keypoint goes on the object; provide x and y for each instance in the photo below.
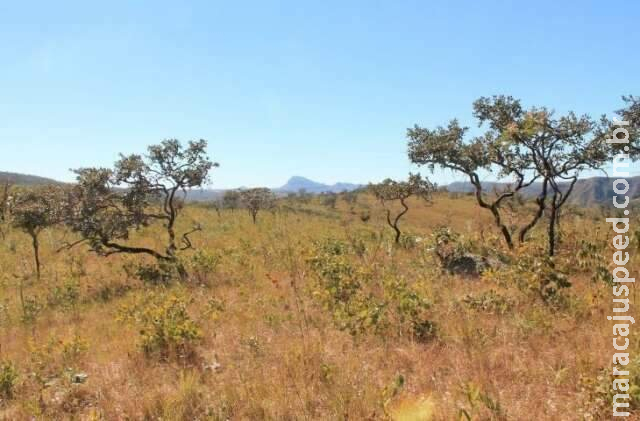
(522, 145)
(390, 191)
(34, 210)
(257, 199)
(108, 204)
(231, 200)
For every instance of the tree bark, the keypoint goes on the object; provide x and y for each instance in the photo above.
(36, 252)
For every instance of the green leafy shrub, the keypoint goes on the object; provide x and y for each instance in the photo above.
(203, 264)
(490, 302)
(360, 302)
(159, 273)
(31, 309)
(8, 379)
(166, 329)
(598, 392)
(66, 296)
(56, 358)
(447, 245)
(534, 273)
(339, 281)
(590, 258)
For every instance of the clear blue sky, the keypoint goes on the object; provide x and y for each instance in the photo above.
(323, 89)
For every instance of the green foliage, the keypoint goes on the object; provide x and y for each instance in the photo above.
(33, 210)
(8, 379)
(523, 146)
(534, 273)
(360, 302)
(66, 296)
(231, 199)
(489, 302)
(55, 358)
(166, 328)
(203, 264)
(163, 272)
(106, 205)
(72, 350)
(479, 401)
(590, 257)
(447, 245)
(390, 191)
(31, 309)
(330, 260)
(257, 199)
(598, 391)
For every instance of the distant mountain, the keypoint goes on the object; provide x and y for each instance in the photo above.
(295, 184)
(24, 179)
(204, 195)
(587, 192)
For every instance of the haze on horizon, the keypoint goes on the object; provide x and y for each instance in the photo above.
(282, 88)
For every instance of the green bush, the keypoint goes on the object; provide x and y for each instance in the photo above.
(8, 379)
(447, 245)
(360, 302)
(166, 329)
(203, 264)
(490, 302)
(65, 296)
(160, 273)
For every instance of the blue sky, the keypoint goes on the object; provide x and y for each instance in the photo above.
(320, 89)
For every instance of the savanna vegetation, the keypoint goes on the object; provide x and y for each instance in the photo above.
(119, 299)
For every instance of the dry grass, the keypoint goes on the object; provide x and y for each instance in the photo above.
(269, 350)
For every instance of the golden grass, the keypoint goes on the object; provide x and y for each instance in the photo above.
(272, 352)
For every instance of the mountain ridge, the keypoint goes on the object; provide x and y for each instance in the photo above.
(24, 179)
(298, 183)
(587, 191)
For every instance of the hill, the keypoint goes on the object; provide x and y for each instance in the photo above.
(587, 192)
(24, 179)
(297, 183)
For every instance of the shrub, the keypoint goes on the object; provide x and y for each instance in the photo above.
(31, 309)
(338, 277)
(65, 296)
(165, 326)
(598, 392)
(8, 379)
(203, 264)
(163, 272)
(535, 274)
(360, 303)
(490, 302)
(447, 245)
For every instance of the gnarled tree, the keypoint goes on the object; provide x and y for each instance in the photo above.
(522, 145)
(400, 191)
(447, 147)
(108, 204)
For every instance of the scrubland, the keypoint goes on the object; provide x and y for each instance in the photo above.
(314, 313)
